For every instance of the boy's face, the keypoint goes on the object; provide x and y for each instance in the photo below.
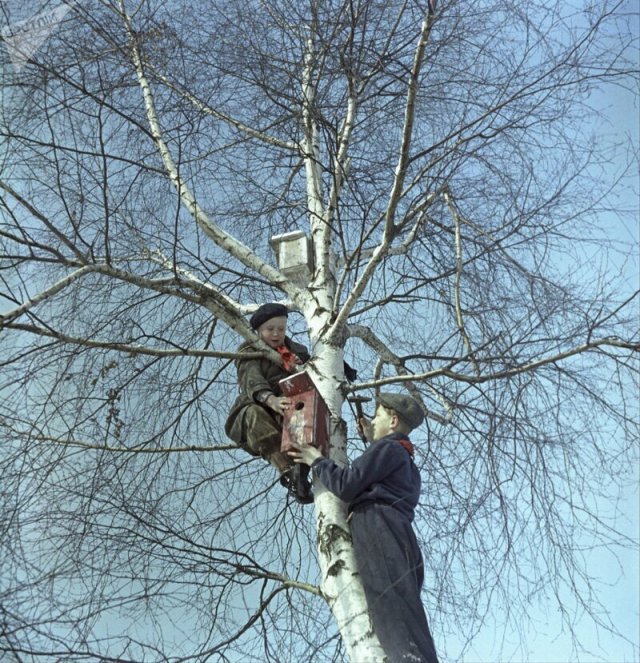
(382, 423)
(273, 331)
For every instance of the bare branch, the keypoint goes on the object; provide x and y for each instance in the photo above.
(456, 287)
(596, 345)
(223, 239)
(388, 357)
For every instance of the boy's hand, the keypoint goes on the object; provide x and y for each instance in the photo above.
(278, 403)
(304, 454)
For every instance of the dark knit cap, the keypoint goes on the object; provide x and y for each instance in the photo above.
(406, 408)
(266, 312)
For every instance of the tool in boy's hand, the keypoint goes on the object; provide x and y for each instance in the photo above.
(357, 401)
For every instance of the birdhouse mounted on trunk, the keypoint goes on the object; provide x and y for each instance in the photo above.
(294, 256)
(307, 420)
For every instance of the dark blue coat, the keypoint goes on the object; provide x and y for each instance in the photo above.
(382, 488)
(385, 473)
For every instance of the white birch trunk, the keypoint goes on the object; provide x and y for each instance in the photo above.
(340, 581)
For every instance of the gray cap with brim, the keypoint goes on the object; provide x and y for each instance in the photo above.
(406, 407)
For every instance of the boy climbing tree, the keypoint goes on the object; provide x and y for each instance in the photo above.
(255, 420)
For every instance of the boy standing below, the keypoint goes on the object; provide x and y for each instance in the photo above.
(382, 488)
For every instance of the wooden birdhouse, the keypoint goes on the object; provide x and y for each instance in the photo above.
(294, 256)
(307, 421)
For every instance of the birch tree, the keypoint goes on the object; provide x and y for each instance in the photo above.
(465, 223)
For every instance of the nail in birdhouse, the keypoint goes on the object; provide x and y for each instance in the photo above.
(294, 256)
(307, 420)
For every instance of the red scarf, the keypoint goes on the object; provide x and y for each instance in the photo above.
(406, 443)
(289, 359)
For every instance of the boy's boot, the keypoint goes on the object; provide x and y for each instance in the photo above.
(302, 485)
(296, 480)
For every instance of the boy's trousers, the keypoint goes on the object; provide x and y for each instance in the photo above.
(259, 432)
(391, 570)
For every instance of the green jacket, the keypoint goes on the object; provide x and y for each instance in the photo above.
(256, 375)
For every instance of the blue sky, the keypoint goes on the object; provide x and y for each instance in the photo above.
(617, 575)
